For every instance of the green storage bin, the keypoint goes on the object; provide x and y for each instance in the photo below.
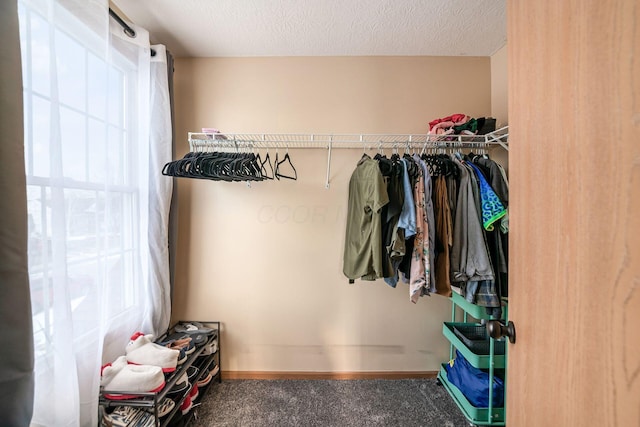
(481, 361)
(476, 339)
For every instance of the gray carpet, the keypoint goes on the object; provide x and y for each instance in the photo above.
(279, 403)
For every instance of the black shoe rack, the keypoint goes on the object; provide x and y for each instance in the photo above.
(150, 401)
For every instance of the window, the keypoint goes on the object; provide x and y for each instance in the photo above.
(83, 203)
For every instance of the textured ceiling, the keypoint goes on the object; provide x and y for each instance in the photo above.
(206, 28)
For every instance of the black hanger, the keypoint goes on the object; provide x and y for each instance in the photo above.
(172, 168)
(263, 170)
(218, 167)
(285, 159)
(412, 167)
(222, 166)
(249, 169)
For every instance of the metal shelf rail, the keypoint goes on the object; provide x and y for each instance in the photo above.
(423, 143)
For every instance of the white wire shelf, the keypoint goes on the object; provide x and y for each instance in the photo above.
(410, 142)
(202, 141)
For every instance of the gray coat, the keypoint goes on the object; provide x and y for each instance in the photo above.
(469, 255)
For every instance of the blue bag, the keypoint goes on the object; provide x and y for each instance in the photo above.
(474, 383)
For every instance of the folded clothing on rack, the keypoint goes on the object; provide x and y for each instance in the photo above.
(462, 124)
(454, 119)
(486, 125)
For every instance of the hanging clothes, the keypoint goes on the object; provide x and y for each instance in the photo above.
(491, 206)
(394, 248)
(435, 218)
(497, 239)
(420, 269)
(391, 172)
(397, 250)
(408, 220)
(481, 289)
(469, 257)
(408, 214)
(431, 224)
(363, 241)
(444, 236)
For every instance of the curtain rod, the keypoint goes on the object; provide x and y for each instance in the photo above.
(130, 32)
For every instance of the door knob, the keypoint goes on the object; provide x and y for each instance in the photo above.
(498, 330)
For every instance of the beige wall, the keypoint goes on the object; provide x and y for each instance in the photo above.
(267, 260)
(499, 87)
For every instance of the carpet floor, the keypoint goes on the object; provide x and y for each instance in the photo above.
(280, 403)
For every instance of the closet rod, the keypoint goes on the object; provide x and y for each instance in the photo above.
(237, 141)
(243, 141)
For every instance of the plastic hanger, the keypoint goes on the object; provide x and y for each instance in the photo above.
(263, 169)
(286, 159)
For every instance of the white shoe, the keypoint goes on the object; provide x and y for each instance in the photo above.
(141, 350)
(120, 376)
(210, 349)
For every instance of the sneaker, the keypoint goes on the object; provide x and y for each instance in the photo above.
(180, 386)
(121, 416)
(215, 370)
(197, 339)
(142, 351)
(192, 373)
(205, 379)
(194, 392)
(146, 420)
(200, 339)
(182, 357)
(184, 342)
(164, 407)
(210, 348)
(127, 416)
(193, 328)
(186, 405)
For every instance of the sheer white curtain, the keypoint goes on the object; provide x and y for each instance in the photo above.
(97, 202)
